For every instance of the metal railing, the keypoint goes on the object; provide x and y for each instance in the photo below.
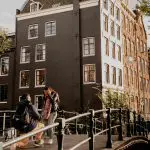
(90, 116)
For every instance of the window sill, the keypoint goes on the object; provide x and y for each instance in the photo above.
(4, 75)
(40, 60)
(50, 35)
(3, 102)
(26, 87)
(86, 83)
(25, 62)
(30, 38)
(40, 86)
(88, 55)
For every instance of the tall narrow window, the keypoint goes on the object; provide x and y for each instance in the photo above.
(40, 53)
(88, 46)
(89, 73)
(120, 77)
(125, 45)
(35, 6)
(119, 52)
(25, 55)
(106, 23)
(33, 31)
(40, 77)
(4, 67)
(3, 93)
(118, 13)
(107, 73)
(106, 44)
(24, 79)
(111, 8)
(39, 101)
(114, 75)
(105, 3)
(112, 28)
(118, 32)
(50, 28)
(113, 50)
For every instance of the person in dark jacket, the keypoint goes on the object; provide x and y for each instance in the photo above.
(31, 122)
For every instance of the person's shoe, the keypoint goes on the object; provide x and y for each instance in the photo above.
(50, 141)
(39, 143)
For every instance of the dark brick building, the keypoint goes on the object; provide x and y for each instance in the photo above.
(58, 45)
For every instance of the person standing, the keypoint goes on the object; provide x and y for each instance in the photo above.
(50, 108)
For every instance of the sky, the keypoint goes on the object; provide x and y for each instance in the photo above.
(8, 10)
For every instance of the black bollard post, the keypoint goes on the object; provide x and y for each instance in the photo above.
(143, 127)
(128, 124)
(109, 141)
(60, 134)
(76, 124)
(120, 138)
(135, 129)
(139, 123)
(91, 133)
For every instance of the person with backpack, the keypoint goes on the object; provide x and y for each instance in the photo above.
(50, 108)
(25, 120)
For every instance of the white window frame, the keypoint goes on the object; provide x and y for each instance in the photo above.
(38, 86)
(21, 56)
(83, 74)
(22, 87)
(83, 46)
(52, 21)
(38, 6)
(35, 101)
(29, 31)
(36, 53)
(1, 66)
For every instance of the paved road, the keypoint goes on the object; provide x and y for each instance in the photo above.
(72, 140)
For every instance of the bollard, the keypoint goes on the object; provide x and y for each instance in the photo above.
(120, 138)
(135, 128)
(1, 145)
(91, 133)
(128, 124)
(60, 134)
(94, 125)
(109, 141)
(139, 122)
(76, 125)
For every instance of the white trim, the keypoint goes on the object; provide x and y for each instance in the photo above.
(36, 53)
(21, 56)
(3, 102)
(38, 6)
(45, 28)
(39, 86)
(22, 87)
(3, 75)
(29, 38)
(56, 10)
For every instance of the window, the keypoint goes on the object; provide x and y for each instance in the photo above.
(118, 13)
(132, 49)
(105, 3)
(125, 75)
(113, 50)
(112, 28)
(107, 73)
(131, 75)
(88, 46)
(50, 28)
(106, 44)
(106, 23)
(40, 53)
(35, 6)
(119, 52)
(3, 93)
(128, 46)
(39, 101)
(111, 8)
(40, 77)
(89, 72)
(24, 79)
(118, 32)
(4, 68)
(33, 31)
(125, 45)
(120, 77)
(138, 44)
(25, 55)
(114, 75)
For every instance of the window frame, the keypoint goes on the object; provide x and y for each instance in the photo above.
(114, 75)
(107, 76)
(36, 53)
(2, 75)
(23, 87)
(84, 74)
(120, 80)
(38, 6)
(21, 55)
(29, 38)
(106, 19)
(38, 86)
(4, 102)
(52, 21)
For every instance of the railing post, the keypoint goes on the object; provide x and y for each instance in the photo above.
(143, 127)
(134, 119)
(4, 123)
(76, 124)
(91, 133)
(1, 145)
(120, 138)
(60, 134)
(109, 141)
(128, 124)
(139, 122)
(94, 125)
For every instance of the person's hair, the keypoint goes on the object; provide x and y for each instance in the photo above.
(24, 96)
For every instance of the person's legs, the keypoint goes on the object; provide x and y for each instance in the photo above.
(39, 135)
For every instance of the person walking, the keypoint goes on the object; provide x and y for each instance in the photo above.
(50, 108)
(25, 120)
